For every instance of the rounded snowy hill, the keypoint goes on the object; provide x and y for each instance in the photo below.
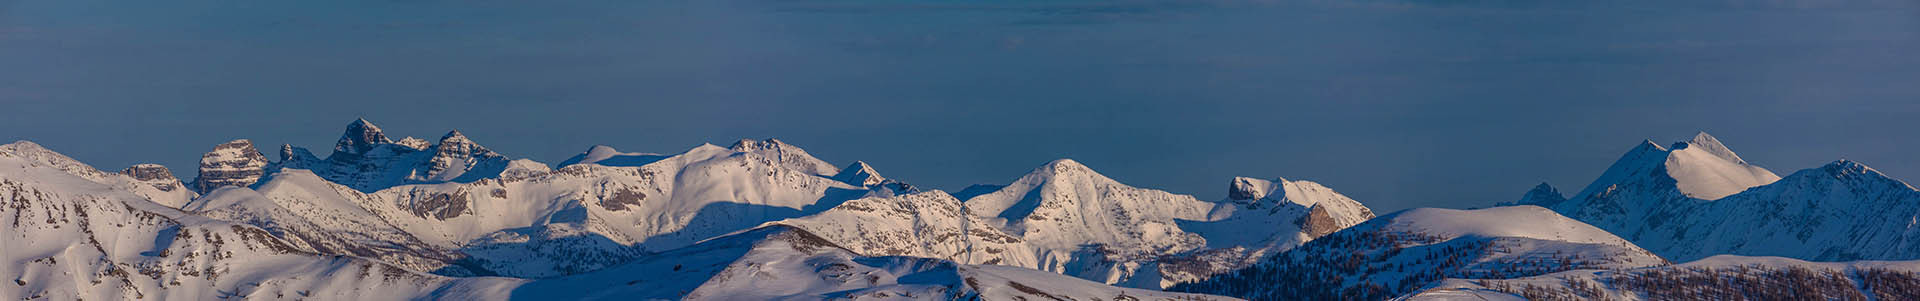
(1407, 250)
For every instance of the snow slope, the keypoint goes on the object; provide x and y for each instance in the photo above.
(1082, 223)
(1724, 277)
(1700, 199)
(1407, 250)
(152, 181)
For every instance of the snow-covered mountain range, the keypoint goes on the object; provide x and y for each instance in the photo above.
(1697, 198)
(379, 218)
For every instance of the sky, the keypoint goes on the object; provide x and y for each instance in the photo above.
(1398, 104)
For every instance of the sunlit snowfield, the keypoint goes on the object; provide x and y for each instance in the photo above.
(1014, 74)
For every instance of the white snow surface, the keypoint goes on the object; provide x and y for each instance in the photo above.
(1701, 199)
(1705, 169)
(1471, 289)
(1513, 221)
(784, 263)
(71, 238)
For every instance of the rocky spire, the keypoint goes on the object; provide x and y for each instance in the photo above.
(1543, 195)
(148, 172)
(235, 163)
(454, 155)
(360, 137)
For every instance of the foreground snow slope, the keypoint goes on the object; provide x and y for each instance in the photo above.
(1406, 250)
(1724, 277)
(71, 238)
(1698, 199)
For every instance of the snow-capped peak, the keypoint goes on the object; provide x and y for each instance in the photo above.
(360, 136)
(453, 135)
(1705, 169)
(608, 156)
(1064, 165)
(37, 154)
(1247, 189)
(1852, 170)
(1701, 168)
(787, 154)
(859, 173)
(1709, 144)
(1539, 223)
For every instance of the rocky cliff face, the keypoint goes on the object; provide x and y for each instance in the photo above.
(235, 163)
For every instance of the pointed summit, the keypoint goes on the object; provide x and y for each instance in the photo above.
(360, 137)
(1704, 168)
(453, 135)
(1709, 144)
(859, 173)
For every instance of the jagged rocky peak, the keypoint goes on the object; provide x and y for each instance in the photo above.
(745, 145)
(1544, 195)
(148, 172)
(456, 154)
(360, 137)
(290, 153)
(235, 163)
(1247, 189)
(454, 141)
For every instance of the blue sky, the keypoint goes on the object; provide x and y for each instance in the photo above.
(1396, 103)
